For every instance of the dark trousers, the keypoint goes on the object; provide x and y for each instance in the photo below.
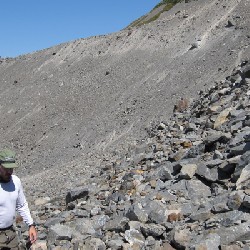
(8, 239)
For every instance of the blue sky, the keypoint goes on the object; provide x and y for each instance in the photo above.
(30, 25)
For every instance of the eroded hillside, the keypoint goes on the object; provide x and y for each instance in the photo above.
(85, 98)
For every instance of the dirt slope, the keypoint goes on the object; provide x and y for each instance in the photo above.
(91, 96)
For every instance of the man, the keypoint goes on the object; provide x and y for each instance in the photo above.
(11, 199)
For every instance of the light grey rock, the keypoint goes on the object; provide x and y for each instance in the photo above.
(218, 155)
(187, 208)
(116, 224)
(187, 171)
(134, 237)
(201, 214)
(116, 197)
(81, 213)
(96, 243)
(237, 126)
(210, 174)
(53, 221)
(210, 242)
(115, 244)
(215, 136)
(59, 232)
(42, 201)
(220, 207)
(137, 213)
(99, 221)
(213, 163)
(157, 216)
(85, 226)
(195, 151)
(228, 219)
(235, 200)
(240, 161)
(182, 188)
(165, 196)
(152, 230)
(181, 238)
(244, 179)
(234, 233)
(239, 137)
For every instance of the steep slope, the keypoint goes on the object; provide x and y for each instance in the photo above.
(185, 186)
(87, 97)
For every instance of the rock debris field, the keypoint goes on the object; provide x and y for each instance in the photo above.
(185, 186)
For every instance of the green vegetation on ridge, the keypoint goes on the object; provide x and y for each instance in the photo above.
(170, 3)
(166, 6)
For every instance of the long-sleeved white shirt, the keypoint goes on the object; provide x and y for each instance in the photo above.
(12, 199)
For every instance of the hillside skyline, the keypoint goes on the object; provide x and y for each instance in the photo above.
(36, 26)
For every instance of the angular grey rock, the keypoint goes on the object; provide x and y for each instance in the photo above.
(137, 213)
(181, 238)
(152, 230)
(99, 221)
(59, 232)
(218, 155)
(213, 163)
(157, 216)
(238, 139)
(134, 237)
(116, 224)
(201, 214)
(220, 207)
(234, 233)
(237, 126)
(53, 221)
(197, 189)
(187, 171)
(234, 201)
(116, 197)
(85, 226)
(77, 193)
(195, 151)
(240, 162)
(115, 244)
(240, 150)
(82, 213)
(96, 243)
(210, 241)
(207, 173)
(244, 179)
(165, 174)
(246, 201)
(227, 219)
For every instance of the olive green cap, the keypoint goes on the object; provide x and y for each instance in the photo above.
(7, 158)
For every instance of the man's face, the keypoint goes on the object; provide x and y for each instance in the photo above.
(5, 173)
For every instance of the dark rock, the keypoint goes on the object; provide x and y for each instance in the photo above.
(77, 193)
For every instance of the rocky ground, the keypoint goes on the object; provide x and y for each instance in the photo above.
(104, 161)
(185, 186)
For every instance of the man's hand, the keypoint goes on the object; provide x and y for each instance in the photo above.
(32, 234)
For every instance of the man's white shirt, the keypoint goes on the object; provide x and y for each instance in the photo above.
(12, 199)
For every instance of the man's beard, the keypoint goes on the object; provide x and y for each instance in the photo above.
(5, 180)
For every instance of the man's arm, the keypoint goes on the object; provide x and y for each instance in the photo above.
(23, 209)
